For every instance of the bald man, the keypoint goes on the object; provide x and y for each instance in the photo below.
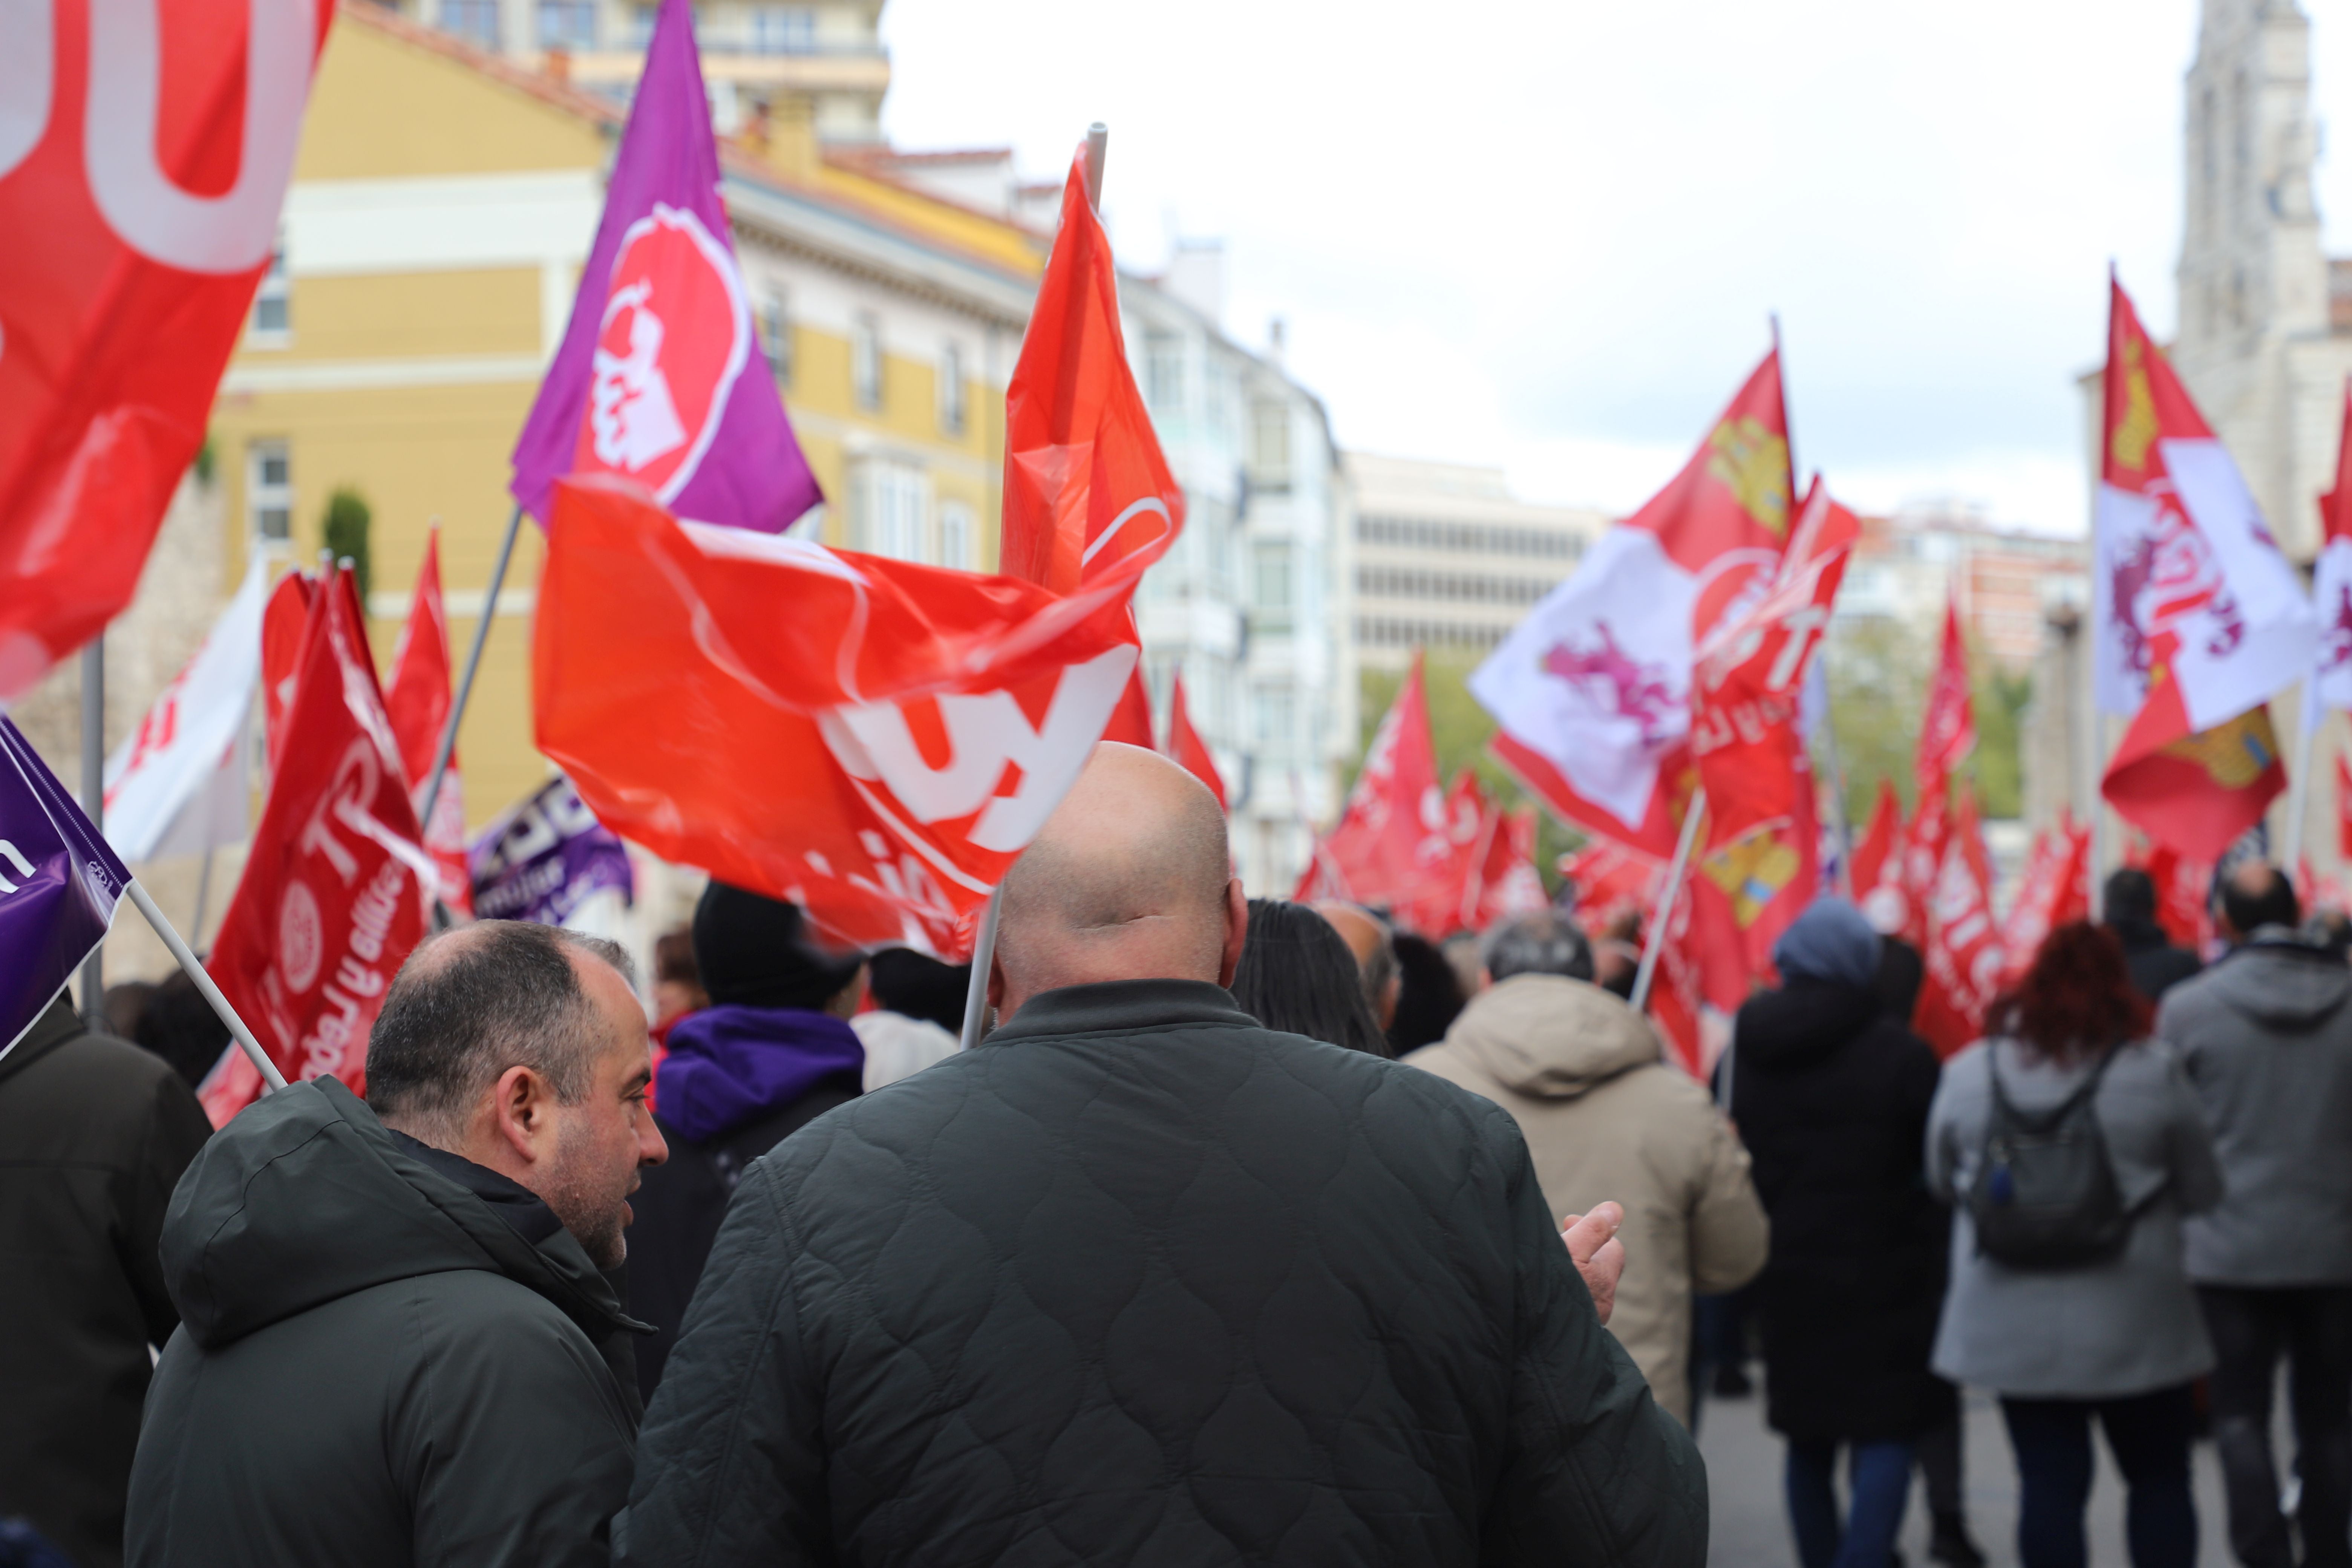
(1368, 938)
(1139, 1280)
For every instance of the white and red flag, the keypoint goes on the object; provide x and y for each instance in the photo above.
(178, 785)
(144, 153)
(2055, 891)
(1879, 885)
(417, 700)
(1592, 690)
(1962, 953)
(1611, 882)
(1185, 747)
(1948, 734)
(1373, 853)
(1509, 883)
(336, 890)
(1450, 863)
(2183, 563)
(2331, 586)
(2343, 807)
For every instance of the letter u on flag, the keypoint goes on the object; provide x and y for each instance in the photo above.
(59, 884)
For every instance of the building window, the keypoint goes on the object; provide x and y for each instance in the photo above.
(567, 24)
(476, 21)
(784, 30)
(1270, 585)
(865, 362)
(951, 390)
(889, 506)
(956, 536)
(269, 490)
(776, 335)
(1163, 373)
(1270, 445)
(272, 324)
(1276, 716)
(641, 26)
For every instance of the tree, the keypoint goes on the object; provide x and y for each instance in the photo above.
(1878, 671)
(346, 532)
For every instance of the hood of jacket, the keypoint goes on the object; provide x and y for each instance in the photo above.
(306, 1197)
(729, 1065)
(1801, 1022)
(1550, 1038)
(2286, 986)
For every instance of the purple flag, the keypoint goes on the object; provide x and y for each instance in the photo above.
(660, 378)
(544, 859)
(58, 885)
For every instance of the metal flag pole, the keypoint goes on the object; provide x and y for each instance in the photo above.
(1654, 938)
(983, 948)
(2298, 793)
(93, 800)
(204, 892)
(1839, 822)
(473, 666)
(211, 992)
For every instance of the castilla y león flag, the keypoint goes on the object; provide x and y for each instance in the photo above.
(337, 890)
(1592, 688)
(2193, 790)
(660, 379)
(144, 153)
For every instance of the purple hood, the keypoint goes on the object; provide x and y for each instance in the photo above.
(729, 1065)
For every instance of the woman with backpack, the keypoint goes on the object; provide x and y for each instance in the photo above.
(2070, 1145)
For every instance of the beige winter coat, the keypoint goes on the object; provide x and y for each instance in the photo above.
(1605, 1118)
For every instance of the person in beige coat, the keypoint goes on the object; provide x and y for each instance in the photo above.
(1606, 1117)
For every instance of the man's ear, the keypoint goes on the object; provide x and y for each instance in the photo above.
(1236, 932)
(521, 1104)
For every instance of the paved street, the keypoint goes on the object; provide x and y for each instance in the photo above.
(1751, 1530)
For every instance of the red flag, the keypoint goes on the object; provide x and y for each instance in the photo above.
(1745, 690)
(1702, 967)
(142, 204)
(1948, 728)
(1962, 953)
(285, 636)
(1763, 882)
(2183, 895)
(2055, 891)
(1592, 690)
(1612, 882)
(1449, 863)
(1509, 883)
(1185, 746)
(2194, 792)
(333, 897)
(1878, 882)
(1374, 852)
(1131, 721)
(879, 756)
(417, 702)
(2343, 806)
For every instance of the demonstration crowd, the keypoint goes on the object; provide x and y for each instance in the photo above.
(1156, 1274)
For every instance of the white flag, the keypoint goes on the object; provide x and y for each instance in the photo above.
(178, 785)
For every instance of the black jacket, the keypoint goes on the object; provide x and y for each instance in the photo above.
(2157, 966)
(1830, 1096)
(93, 1132)
(389, 1355)
(1139, 1281)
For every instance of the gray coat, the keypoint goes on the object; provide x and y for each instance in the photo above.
(2127, 1326)
(2266, 1038)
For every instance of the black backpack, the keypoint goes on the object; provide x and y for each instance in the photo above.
(2045, 1194)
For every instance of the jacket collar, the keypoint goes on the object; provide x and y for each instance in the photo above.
(53, 1028)
(1119, 1004)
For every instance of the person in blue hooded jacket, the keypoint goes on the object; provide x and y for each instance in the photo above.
(771, 1053)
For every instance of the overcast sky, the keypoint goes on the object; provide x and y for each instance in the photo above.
(1547, 234)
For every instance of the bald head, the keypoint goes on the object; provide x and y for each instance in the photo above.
(2256, 894)
(1128, 879)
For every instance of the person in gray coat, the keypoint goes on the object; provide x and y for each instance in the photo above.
(2119, 1338)
(2266, 1038)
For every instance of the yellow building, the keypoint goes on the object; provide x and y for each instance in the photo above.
(444, 203)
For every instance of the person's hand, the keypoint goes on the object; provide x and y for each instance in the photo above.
(1598, 1256)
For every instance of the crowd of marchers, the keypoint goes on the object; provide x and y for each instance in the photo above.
(1250, 1232)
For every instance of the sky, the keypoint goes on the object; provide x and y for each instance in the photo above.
(1549, 235)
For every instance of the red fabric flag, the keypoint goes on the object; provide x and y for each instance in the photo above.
(1763, 882)
(2055, 891)
(1612, 882)
(1592, 690)
(1373, 851)
(1948, 728)
(417, 699)
(2183, 894)
(1963, 955)
(1449, 863)
(1878, 880)
(1509, 883)
(2343, 806)
(2194, 792)
(284, 636)
(1745, 688)
(1131, 721)
(333, 894)
(879, 756)
(1185, 746)
(1702, 969)
(142, 204)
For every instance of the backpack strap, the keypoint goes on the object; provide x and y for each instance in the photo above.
(2040, 1121)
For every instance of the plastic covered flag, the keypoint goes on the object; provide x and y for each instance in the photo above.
(660, 379)
(59, 884)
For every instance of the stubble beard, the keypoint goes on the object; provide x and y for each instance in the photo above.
(585, 1199)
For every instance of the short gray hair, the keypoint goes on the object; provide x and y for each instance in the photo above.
(1545, 944)
(471, 1002)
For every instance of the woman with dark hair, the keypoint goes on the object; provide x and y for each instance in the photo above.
(2070, 1145)
(1296, 974)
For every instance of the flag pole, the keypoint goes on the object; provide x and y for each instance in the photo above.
(441, 754)
(1839, 821)
(211, 992)
(93, 802)
(2298, 793)
(983, 949)
(203, 893)
(1655, 939)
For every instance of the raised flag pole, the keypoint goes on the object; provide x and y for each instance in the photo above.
(983, 947)
(2298, 792)
(448, 746)
(1839, 822)
(211, 992)
(1655, 939)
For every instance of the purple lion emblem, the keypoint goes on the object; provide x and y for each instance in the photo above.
(2166, 577)
(1633, 690)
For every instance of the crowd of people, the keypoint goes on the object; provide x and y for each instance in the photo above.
(1251, 1231)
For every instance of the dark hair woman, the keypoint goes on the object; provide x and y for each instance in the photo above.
(1296, 974)
(2113, 1331)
